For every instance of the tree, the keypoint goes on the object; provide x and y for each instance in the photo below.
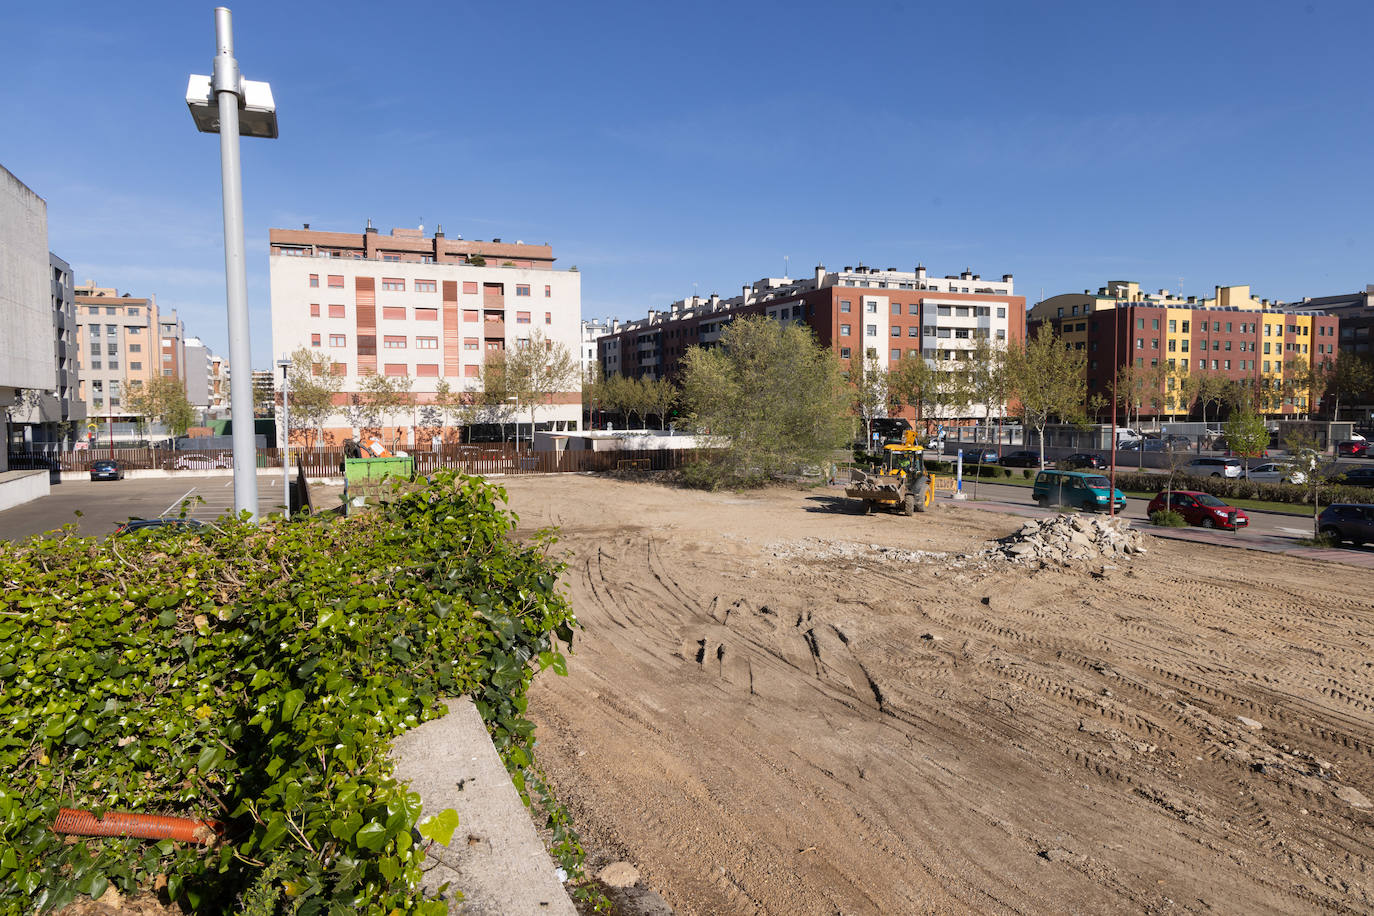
(385, 397)
(988, 382)
(529, 375)
(1307, 458)
(1210, 388)
(871, 393)
(1049, 380)
(1298, 382)
(660, 395)
(932, 387)
(312, 385)
(1246, 434)
(162, 400)
(1345, 375)
(908, 381)
(771, 395)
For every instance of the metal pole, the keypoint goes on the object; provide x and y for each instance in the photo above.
(1116, 370)
(286, 443)
(226, 84)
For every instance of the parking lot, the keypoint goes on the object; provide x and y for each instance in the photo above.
(105, 504)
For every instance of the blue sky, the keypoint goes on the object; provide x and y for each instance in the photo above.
(670, 148)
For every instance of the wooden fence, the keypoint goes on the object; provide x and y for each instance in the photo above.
(471, 459)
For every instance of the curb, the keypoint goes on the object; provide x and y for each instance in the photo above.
(495, 860)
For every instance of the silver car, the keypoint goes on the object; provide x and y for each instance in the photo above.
(1213, 467)
(1276, 472)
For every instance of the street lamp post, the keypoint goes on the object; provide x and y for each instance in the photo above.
(286, 436)
(229, 105)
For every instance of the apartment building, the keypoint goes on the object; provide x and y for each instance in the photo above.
(117, 339)
(857, 311)
(219, 386)
(592, 331)
(38, 371)
(1233, 334)
(423, 307)
(198, 381)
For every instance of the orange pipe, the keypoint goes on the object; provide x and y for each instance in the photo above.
(142, 826)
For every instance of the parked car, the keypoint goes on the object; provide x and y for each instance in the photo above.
(1021, 459)
(1145, 445)
(1199, 509)
(1213, 467)
(1277, 472)
(1177, 442)
(1084, 460)
(981, 456)
(107, 469)
(1077, 489)
(1352, 522)
(174, 524)
(1352, 448)
(1356, 477)
(196, 461)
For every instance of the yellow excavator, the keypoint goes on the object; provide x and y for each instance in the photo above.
(901, 481)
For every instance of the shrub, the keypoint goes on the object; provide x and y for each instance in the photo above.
(1167, 519)
(1026, 473)
(256, 675)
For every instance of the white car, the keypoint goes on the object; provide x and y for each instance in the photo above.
(201, 461)
(1213, 467)
(1274, 472)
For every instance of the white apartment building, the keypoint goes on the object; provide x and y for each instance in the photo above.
(419, 307)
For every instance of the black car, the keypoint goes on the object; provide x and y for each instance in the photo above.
(1148, 445)
(1021, 459)
(981, 456)
(1176, 442)
(175, 524)
(1084, 460)
(106, 469)
(1352, 522)
(1357, 477)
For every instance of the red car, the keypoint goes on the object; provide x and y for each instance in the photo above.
(1200, 509)
(1353, 448)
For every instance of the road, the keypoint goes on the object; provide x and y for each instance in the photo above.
(106, 503)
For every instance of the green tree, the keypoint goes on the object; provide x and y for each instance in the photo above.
(661, 396)
(771, 395)
(1307, 458)
(313, 386)
(388, 397)
(1049, 379)
(988, 382)
(1246, 434)
(161, 400)
(1210, 388)
(537, 370)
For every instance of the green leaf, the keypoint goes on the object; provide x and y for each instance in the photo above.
(210, 758)
(371, 836)
(276, 829)
(439, 827)
(291, 704)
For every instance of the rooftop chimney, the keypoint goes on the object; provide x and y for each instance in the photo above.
(305, 226)
(920, 272)
(439, 230)
(820, 275)
(369, 226)
(1006, 278)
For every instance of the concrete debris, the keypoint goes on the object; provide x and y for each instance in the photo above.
(827, 550)
(619, 874)
(1063, 540)
(1249, 723)
(1352, 797)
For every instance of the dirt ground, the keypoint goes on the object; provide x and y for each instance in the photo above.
(777, 706)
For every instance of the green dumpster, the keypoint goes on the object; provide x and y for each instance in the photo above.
(364, 477)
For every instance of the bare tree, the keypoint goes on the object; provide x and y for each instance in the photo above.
(1049, 380)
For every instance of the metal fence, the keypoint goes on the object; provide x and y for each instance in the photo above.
(470, 459)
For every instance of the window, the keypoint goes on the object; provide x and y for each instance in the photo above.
(872, 330)
(472, 371)
(871, 308)
(1173, 325)
(395, 284)
(896, 308)
(426, 314)
(314, 281)
(944, 311)
(109, 310)
(1140, 324)
(896, 331)
(844, 305)
(548, 317)
(470, 287)
(1001, 311)
(336, 311)
(913, 309)
(844, 353)
(913, 331)
(427, 370)
(133, 312)
(494, 345)
(896, 355)
(1266, 346)
(522, 289)
(1140, 343)
(394, 312)
(1172, 345)
(1266, 365)
(338, 368)
(1183, 345)
(391, 257)
(338, 340)
(426, 286)
(314, 340)
(314, 310)
(335, 282)
(471, 343)
(1185, 325)
(844, 330)
(548, 292)
(943, 332)
(394, 369)
(522, 317)
(135, 348)
(390, 342)
(1154, 343)
(471, 315)
(1214, 365)
(426, 343)
(133, 366)
(1226, 364)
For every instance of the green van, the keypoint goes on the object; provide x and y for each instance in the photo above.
(1077, 489)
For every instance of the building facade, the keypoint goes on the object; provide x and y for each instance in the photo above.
(198, 381)
(592, 331)
(857, 312)
(1267, 346)
(1355, 312)
(117, 339)
(425, 308)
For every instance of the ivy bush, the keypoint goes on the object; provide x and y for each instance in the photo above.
(256, 675)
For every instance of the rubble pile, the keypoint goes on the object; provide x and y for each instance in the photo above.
(821, 549)
(1065, 539)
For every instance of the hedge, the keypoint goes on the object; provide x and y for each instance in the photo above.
(256, 674)
(1243, 488)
